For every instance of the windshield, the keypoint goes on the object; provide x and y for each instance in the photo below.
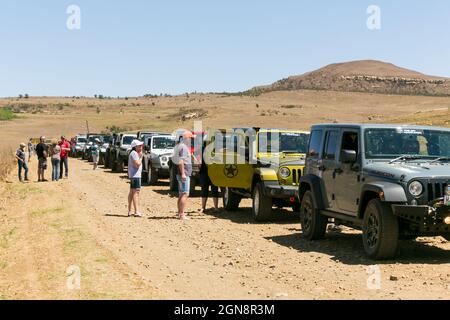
(107, 139)
(289, 142)
(127, 139)
(92, 138)
(81, 140)
(163, 143)
(394, 143)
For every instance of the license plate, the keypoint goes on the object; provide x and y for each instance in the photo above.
(447, 200)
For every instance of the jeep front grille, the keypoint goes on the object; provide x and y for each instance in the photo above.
(296, 175)
(436, 190)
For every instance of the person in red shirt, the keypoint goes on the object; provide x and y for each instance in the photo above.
(65, 149)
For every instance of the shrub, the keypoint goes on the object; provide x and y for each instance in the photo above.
(117, 129)
(6, 114)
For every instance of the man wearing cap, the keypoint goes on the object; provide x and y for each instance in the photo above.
(135, 175)
(22, 164)
(183, 161)
(42, 154)
(65, 148)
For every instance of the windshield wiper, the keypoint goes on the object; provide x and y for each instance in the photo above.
(441, 159)
(408, 158)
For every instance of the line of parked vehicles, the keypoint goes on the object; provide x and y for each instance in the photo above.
(390, 181)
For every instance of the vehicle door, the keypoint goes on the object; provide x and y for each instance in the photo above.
(348, 175)
(229, 165)
(314, 154)
(329, 163)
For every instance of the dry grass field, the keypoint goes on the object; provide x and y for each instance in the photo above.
(289, 109)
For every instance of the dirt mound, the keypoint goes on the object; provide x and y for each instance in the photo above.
(364, 76)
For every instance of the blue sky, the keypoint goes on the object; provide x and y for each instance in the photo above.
(129, 48)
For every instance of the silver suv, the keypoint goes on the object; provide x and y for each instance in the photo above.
(390, 181)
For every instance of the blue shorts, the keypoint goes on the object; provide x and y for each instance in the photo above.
(135, 183)
(184, 186)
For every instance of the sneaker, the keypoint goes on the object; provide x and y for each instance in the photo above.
(185, 218)
(138, 215)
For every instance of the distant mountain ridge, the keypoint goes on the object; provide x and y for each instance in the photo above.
(368, 76)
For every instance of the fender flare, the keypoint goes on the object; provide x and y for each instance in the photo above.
(317, 189)
(392, 192)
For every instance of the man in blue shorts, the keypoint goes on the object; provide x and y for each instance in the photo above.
(135, 175)
(182, 159)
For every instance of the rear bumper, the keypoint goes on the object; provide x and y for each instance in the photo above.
(428, 220)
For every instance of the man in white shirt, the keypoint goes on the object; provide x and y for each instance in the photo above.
(135, 175)
(182, 159)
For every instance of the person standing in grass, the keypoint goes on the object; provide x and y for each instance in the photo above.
(64, 163)
(135, 175)
(42, 154)
(55, 154)
(21, 162)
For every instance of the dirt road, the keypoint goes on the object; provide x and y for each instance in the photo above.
(80, 222)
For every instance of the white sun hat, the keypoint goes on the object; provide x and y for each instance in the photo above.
(136, 143)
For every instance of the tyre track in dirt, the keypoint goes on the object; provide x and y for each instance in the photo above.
(229, 256)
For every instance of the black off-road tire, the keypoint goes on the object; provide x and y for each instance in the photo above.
(151, 177)
(314, 224)
(380, 231)
(231, 200)
(261, 204)
(106, 165)
(119, 166)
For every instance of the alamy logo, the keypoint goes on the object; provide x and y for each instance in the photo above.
(74, 19)
(73, 281)
(374, 279)
(374, 19)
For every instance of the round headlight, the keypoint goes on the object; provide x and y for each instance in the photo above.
(415, 188)
(285, 172)
(164, 159)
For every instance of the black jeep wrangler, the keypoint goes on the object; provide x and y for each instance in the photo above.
(390, 181)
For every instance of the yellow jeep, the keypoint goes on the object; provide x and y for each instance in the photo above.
(262, 164)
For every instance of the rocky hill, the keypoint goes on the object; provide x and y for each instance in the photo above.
(364, 76)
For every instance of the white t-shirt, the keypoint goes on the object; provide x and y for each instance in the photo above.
(134, 172)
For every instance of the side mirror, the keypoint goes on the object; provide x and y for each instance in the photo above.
(348, 156)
